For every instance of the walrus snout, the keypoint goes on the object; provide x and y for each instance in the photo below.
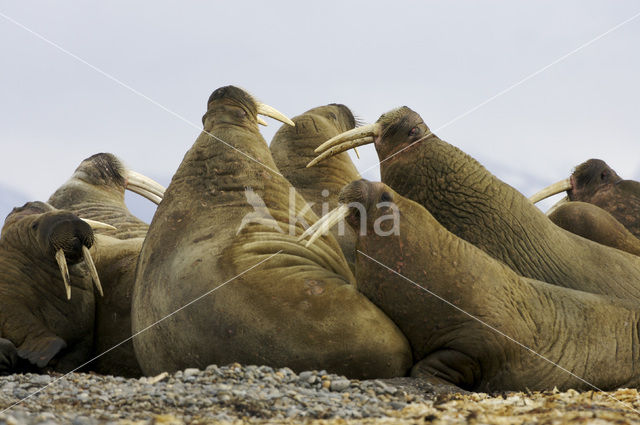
(67, 232)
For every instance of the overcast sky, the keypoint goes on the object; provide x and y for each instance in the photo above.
(442, 59)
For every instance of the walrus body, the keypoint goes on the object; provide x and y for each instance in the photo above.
(293, 147)
(222, 279)
(481, 209)
(594, 223)
(44, 326)
(415, 275)
(96, 191)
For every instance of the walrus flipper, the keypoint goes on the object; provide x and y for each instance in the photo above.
(8, 356)
(448, 367)
(41, 349)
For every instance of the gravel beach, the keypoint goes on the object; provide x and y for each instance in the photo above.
(260, 394)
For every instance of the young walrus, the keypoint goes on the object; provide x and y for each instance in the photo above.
(463, 311)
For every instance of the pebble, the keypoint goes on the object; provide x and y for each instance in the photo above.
(226, 393)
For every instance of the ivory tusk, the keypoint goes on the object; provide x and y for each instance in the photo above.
(143, 185)
(311, 229)
(333, 218)
(150, 196)
(92, 269)
(370, 130)
(96, 225)
(345, 146)
(261, 121)
(270, 111)
(64, 271)
(551, 190)
(356, 151)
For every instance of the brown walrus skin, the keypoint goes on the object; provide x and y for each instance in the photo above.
(96, 191)
(46, 328)
(595, 182)
(594, 223)
(293, 147)
(222, 235)
(479, 208)
(593, 336)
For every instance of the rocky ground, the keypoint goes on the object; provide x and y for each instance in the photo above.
(252, 394)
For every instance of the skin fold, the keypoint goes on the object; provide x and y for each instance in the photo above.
(481, 209)
(293, 147)
(595, 182)
(585, 333)
(96, 191)
(596, 224)
(46, 329)
(223, 214)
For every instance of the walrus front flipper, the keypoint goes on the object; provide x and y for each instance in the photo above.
(8, 356)
(40, 350)
(448, 368)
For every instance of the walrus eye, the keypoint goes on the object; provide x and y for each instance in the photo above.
(34, 226)
(414, 131)
(604, 175)
(385, 197)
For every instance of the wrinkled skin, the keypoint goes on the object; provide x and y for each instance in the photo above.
(596, 224)
(96, 191)
(44, 327)
(595, 182)
(293, 147)
(451, 345)
(479, 208)
(297, 309)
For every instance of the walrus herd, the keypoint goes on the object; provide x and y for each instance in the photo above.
(441, 271)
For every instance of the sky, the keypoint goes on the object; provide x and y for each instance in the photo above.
(529, 89)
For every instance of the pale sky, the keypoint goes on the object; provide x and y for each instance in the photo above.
(442, 59)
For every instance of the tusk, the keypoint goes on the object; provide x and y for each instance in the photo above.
(370, 130)
(311, 229)
(556, 205)
(345, 146)
(150, 196)
(144, 186)
(64, 271)
(356, 151)
(92, 269)
(332, 219)
(269, 111)
(96, 225)
(261, 121)
(551, 190)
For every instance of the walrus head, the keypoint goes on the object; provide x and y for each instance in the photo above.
(55, 234)
(395, 131)
(234, 106)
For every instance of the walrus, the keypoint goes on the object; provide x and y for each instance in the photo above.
(46, 288)
(478, 207)
(595, 182)
(594, 223)
(292, 147)
(96, 190)
(222, 279)
(470, 319)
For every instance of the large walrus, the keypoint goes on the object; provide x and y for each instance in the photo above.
(46, 288)
(221, 277)
(478, 207)
(474, 322)
(96, 191)
(595, 182)
(293, 147)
